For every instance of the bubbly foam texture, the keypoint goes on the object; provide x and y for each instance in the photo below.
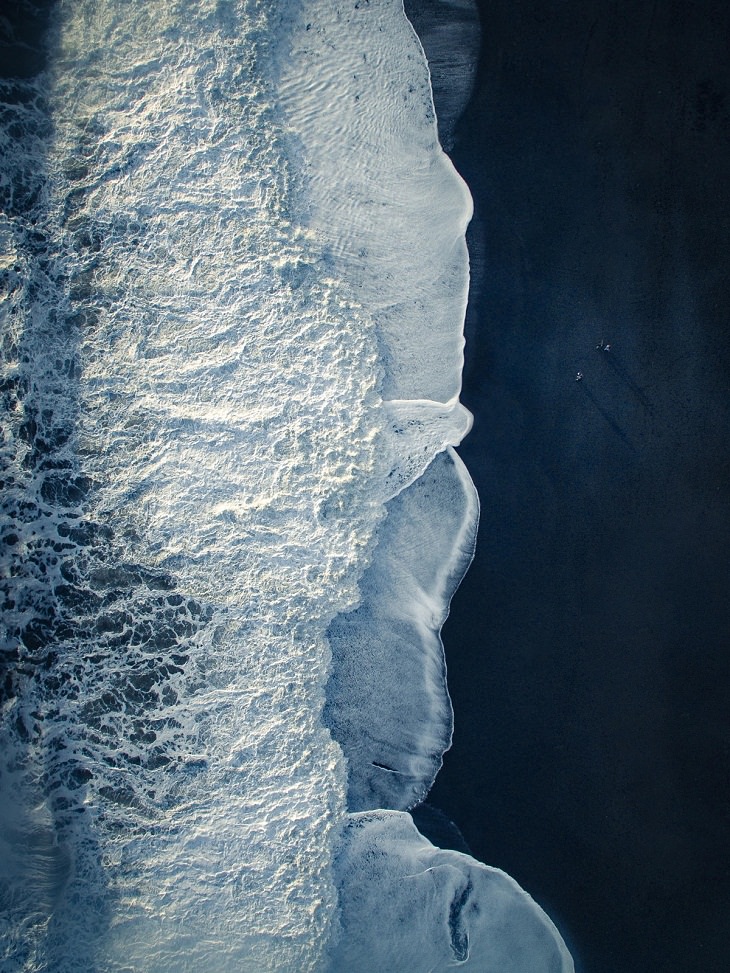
(387, 700)
(190, 447)
(383, 196)
(234, 282)
(388, 208)
(433, 909)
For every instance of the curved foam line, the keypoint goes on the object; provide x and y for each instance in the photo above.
(411, 907)
(387, 700)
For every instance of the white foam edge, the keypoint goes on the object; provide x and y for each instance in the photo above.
(387, 699)
(406, 905)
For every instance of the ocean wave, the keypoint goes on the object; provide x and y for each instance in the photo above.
(193, 422)
(233, 340)
(411, 907)
(387, 699)
(385, 203)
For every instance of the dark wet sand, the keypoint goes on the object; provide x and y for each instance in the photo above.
(589, 645)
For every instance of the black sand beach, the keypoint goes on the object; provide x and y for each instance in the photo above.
(589, 645)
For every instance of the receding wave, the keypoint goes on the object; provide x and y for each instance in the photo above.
(391, 212)
(387, 700)
(235, 277)
(383, 197)
(388, 206)
(411, 907)
(189, 437)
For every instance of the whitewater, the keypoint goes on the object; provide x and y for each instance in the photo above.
(234, 280)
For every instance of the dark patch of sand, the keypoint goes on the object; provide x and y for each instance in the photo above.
(589, 645)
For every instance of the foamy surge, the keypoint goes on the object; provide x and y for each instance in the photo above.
(387, 700)
(390, 210)
(235, 281)
(194, 426)
(411, 907)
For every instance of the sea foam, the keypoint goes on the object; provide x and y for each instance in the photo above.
(391, 212)
(411, 907)
(387, 699)
(386, 204)
(235, 280)
(189, 444)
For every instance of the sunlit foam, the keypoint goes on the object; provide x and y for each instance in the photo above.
(236, 277)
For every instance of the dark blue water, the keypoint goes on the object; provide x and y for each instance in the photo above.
(588, 646)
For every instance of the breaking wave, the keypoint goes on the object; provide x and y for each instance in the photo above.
(234, 282)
